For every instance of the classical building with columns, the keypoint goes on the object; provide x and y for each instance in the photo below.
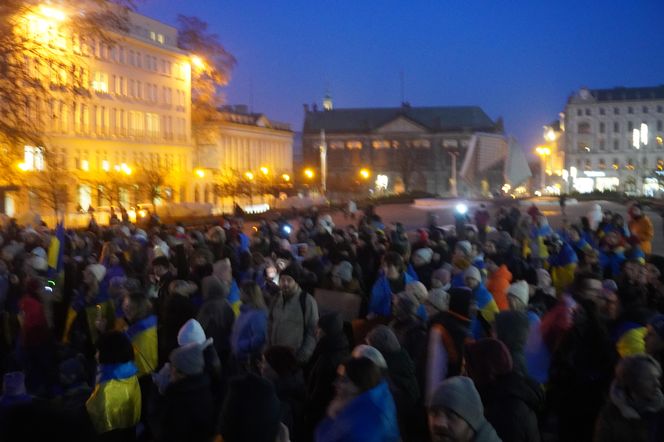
(614, 139)
(244, 144)
(127, 105)
(393, 149)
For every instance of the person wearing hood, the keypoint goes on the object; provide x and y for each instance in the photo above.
(562, 262)
(461, 260)
(363, 409)
(186, 411)
(421, 260)
(448, 333)
(89, 312)
(486, 305)
(409, 327)
(392, 280)
(331, 350)
(641, 228)
(402, 380)
(539, 231)
(216, 316)
(114, 407)
(595, 216)
(455, 412)
(438, 298)
(635, 410)
(512, 329)
(176, 310)
(498, 280)
(341, 279)
(250, 329)
(511, 400)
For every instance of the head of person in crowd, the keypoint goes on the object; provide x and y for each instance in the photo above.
(487, 360)
(438, 300)
(608, 301)
(279, 362)
(370, 353)
(612, 240)
(213, 287)
(455, 411)
(633, 271)
(160, 266)
(216, 235)
(93, 275)
(654, 338)
(618, 222)
(136, 306)
(354, 377)
(553, 244)
(653, 275)
(252, 296)
(489, 248)
(637, 385)
(587, 286)
(422, 257)
(404, 306)
(187, 360)
(288, 282)
(440, 278)
(182, 288)
(223, 270)
(472, 277)
(418, 291)
(114, 347)
(393, 266)
(518, 296)
(341, 274)
(635, 211)
(462, 303)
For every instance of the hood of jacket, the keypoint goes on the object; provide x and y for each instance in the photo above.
(513, 385)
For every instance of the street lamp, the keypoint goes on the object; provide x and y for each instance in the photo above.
(285, 177)
(543, 152)
(265, 170)
(200, 173)
(249, 175)
(365, 174)
(308, 173)
(197, 62)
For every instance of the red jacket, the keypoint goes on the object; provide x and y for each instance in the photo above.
(498, 283)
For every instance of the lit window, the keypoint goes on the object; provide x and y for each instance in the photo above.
(160, 38)
(336, 145)
(105, 166)
(100, 83)
(33, 158)
(153, 36)
(85, 165)
(354, 145)
(423, 144)
(380, 144)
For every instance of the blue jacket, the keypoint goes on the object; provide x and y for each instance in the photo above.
(381, 296)
(370, 417)
(566, 256)
(249, 332)
(611, 261)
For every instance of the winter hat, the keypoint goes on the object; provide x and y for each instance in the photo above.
(460, 300)
(439, 298)
(442, 275)
(192, 331)
(371, 353)
(657, 323)
(293, 271)
(464, 246)
(520, 291)
(383, 339)
(98, 270)
(39, 251)
(331, 324)
(610, 285)
(213, 287)
(459, 395)
(125, 231)
(418, 290)
(473, 272)
(188, 359)
(282, 359)
(344, 270)
(406, 304)
(486, 360)
(542, 276)
(425, 254)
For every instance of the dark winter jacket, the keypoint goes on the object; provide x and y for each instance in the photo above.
(511, 404)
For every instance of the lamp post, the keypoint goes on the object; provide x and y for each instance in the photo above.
(640, 138)
(543, 152)
(323, 162)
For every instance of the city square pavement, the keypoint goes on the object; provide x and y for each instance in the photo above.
(413, 216)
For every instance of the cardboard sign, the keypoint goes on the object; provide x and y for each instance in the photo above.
(329, 301)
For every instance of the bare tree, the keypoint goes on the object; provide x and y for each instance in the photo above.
(152, 179)
(50, 182)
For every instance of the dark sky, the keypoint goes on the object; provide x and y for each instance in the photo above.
(519, 59)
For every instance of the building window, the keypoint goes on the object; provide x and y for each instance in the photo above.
(587, 165)
(630, 127)
(616, 111)
(380, 144)
(630, 164)
(587, 111)
(601, 111)
(616, 164)
(583, 128)
(616, 145)
(630, 110)
(645, 109)
(100, 82)
(660, 108)
(421, 144)
(334, 145)
(659, 125)
(601, 127)
(33, 158)
(616, 127)
(160, 38)
(602, 164)
(583, 147)
(602, 144)
(354, 145)
(579, 112)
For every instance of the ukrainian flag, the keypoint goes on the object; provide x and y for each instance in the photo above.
(115, 402)
(143, 337)
(55, 252)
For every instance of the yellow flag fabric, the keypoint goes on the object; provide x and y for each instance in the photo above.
(115, 404)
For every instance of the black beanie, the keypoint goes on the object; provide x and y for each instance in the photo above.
(460, 299)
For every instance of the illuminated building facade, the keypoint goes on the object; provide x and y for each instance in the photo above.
(613, 139)
(127, 107)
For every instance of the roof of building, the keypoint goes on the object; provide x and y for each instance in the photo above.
(240, 114)
(624, 93)
(434, 119)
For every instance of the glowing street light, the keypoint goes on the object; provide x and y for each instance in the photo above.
(200, 173)
(249, 175)
(285, 177)
(52, 13)
(543, 152)
(308, 173)
(197, 62)
(365, 173)
(265, 170)
(550, 135)
(23, 167)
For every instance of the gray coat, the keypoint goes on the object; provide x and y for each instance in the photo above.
(287, 325)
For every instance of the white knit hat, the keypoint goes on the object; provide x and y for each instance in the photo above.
(192, 332)
(464, 246)
(439, 298)
(97, 270)
(425, 254)
(520, 291)
(417, 289)
(473, 272)
(371, 353)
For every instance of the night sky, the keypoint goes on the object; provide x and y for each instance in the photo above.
(518, 59)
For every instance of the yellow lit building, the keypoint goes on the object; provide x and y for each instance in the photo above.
(127, 106)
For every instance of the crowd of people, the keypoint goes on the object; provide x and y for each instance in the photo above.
(501, 328)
